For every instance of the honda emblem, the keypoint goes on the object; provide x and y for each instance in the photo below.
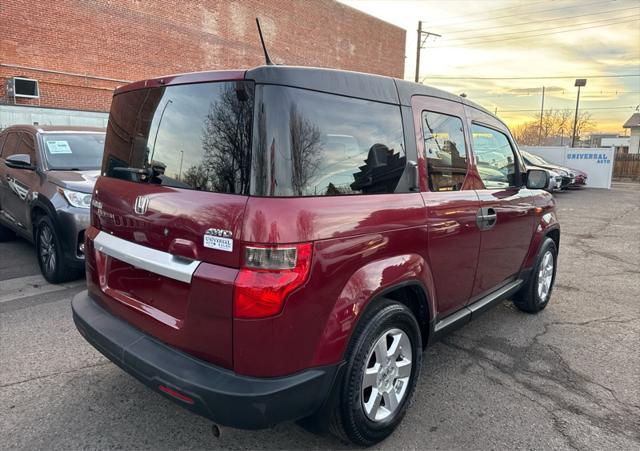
(142, 202)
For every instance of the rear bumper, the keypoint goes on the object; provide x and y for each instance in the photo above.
(213, 392)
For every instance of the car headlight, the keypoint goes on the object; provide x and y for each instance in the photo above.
(564, 173)
(76, 198)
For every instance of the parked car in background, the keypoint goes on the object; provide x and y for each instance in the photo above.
(47, 174)
(555, 180)
(282, 243)
(580, 179)
(568, 175)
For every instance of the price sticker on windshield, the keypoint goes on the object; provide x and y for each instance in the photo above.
(58, 147)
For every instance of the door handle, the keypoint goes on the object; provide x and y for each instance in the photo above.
(490, 218)
(486, 218)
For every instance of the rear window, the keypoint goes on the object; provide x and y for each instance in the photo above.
(73, 151)
(194, 136)
(307, 143)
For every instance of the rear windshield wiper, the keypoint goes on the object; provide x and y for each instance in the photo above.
(141, 171)
(147, 175)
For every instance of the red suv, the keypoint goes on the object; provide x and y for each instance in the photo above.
(282, 243)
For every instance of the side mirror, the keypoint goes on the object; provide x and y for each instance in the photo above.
(19, 161)
(537, 179)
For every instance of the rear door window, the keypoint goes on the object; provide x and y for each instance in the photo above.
(495, 158)
(309, 143)
(194, 136)
(445, 151)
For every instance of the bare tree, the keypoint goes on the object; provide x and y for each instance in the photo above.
(196, 177)
(225, 138)
(305, 150)
(555, 124)
(585, 124)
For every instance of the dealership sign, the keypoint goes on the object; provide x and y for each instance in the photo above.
(601, 158)
(596, 162)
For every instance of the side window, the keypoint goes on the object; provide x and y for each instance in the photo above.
(2, 139)
(27, 145)
(494, 157)
(309, 143)
(444, 151)
(10, 145)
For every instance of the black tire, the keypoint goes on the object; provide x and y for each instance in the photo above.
(528, 299)
(349, 420)
(6, 234)
(49, 253)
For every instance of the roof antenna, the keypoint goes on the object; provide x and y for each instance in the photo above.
(264, 47)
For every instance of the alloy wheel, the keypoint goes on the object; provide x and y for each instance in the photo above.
(386, 376)
(545, 276)
(47, 249)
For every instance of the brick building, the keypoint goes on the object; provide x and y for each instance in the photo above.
(79, 51)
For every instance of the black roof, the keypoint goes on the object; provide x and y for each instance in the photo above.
(378, 88)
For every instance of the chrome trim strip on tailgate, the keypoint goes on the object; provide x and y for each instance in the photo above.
(143, 257)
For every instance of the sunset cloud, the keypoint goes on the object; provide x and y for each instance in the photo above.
(485, 42)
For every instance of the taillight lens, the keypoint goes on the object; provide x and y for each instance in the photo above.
(268, 275)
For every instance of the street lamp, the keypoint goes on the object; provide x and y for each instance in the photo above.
(160, 122)
(580, 82)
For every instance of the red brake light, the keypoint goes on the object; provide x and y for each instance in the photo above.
(269, 274)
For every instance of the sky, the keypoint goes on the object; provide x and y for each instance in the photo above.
(483, 42)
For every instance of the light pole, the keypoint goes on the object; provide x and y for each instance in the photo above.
(580, 82)
(160, 122)
(421, 46)
(541, 116)
(180, 173)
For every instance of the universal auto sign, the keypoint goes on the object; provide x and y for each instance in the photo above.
(596, 162)
(601, 158)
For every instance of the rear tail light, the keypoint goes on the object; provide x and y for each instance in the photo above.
(269, 274)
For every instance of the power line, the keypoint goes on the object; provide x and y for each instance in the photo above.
(535, 35)
(519, 14)
(493, 35)
(549, 77)
(539, 21)
(535, 92)
(446, 24)
(582, 109)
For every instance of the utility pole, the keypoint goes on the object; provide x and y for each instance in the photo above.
(541, 115)
(420, 45)
(580, 82)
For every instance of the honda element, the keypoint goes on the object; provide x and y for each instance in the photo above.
(282, 243)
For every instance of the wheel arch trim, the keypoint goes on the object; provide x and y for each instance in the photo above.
(364, 287)
(548, 224)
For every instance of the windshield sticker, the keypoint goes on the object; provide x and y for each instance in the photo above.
(58, 147)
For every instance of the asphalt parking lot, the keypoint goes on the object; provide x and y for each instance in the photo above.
(566, 378)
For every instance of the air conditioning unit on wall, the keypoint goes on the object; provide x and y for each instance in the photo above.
(23, 87)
